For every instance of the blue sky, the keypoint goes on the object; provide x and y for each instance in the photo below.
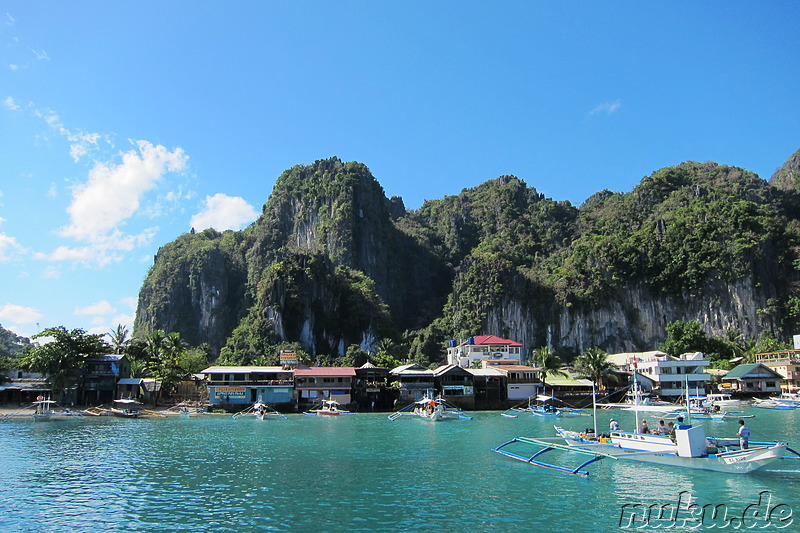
(124, 124)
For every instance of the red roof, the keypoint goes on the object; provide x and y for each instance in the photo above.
(326, 371)
(491, 339)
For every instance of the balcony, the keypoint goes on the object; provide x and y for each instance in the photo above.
(250, 383)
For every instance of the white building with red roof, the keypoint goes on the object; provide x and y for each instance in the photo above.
(482, 347)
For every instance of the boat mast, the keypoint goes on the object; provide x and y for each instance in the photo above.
(594, 409)
(635, 394)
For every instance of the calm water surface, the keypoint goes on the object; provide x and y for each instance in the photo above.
(357, 473)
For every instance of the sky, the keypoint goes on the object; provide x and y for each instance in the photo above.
(125, 124)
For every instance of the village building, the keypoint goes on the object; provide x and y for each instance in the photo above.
(233, 387)
(456, 385)
(490, 388)
(787, 364)
(670, 376)
(522, 381)
(99, 377)
(752, 379)
(469, 353)
(318, 383)
(412, 382)
(370, 391)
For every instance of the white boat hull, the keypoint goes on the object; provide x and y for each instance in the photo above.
(661, 450)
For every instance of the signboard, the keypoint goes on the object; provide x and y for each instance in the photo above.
(288, 358)
(232, 392)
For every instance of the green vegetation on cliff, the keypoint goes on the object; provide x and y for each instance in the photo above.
(333, 263)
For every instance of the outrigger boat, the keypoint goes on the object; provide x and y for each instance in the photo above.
(774, 404)
(689, 449)
(261, 411)
(432, 409)
(126, 408)
(327, 408)
(43, 410)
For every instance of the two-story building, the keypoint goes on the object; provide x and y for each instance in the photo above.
(669, 375)
(319, 383)
(233, 387)
(412, 381)
(482, 347)
(456, 385)
(522, 381)
(785, 363)
(99, 377)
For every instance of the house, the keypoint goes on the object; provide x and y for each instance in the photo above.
(130, 388)
(413, 382)
(231, 387)
(324, 383)
(569, 388)
(522, 381)
(99, 377)
(456, 385)
(490, 388)
(22, 387)
(785, 363)
(481, 347)
(669, 375)
(370, 390)
(753, 378)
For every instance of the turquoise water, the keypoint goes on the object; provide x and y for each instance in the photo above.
(357, 473)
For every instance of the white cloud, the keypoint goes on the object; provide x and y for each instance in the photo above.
(10, 248)
(223, 212)
(113, 193)
(130, 301)
(103, 307)
(124, 319)
(19, 314)
(11, 104)
(609, 108)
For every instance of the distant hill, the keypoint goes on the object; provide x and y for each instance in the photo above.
(332, 262)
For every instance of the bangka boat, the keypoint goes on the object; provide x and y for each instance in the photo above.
(690, 449)
(261, 411)
(787, 398)
(327, 408)
(774, 404)
(722, 399)
(43, 409)
(432, 409)
(126, 408)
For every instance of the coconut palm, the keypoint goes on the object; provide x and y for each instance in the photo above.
(593, 363)
(548, 363)
(120, 339)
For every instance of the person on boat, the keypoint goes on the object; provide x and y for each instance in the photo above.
(681, 425)
(613, 425)
(662, 428)
(671, 431)
(644, 428)
(744, 435)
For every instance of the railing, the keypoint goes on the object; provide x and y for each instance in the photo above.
(250, 383)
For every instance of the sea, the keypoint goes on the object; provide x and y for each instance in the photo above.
(366, 473)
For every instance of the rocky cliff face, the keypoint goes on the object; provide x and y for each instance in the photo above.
(333, 262)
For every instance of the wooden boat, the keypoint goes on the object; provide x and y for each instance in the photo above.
(126, 408)
(432, 409)
(774, 404)
(260, 411)
(44, 410)
(327, 408)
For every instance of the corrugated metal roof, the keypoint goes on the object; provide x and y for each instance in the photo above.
(130, 381)
(483, 340)
(242, 369)
(326, 371)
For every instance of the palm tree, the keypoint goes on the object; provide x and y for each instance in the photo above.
(593, 363)
(120, 339)
(549, 364)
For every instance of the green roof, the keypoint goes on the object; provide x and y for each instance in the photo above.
(741, 371)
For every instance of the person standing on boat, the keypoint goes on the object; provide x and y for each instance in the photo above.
(644, 428)
(613, 425)
(744, 435)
